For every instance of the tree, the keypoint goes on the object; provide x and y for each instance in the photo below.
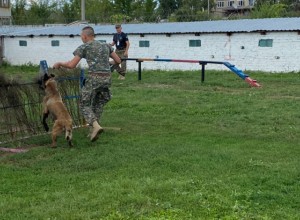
(40, 11)
(32, 12)
(149, 10)
(167, 7)
(71, 10)
(98, 11)
(123, 6)
(18, 12)
(268, 10)
(191, 10)
(144, 10)
(124, 11)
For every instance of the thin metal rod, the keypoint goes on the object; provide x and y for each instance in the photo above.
(202, 71)
(140, 70)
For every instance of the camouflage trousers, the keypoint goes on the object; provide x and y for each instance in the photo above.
(95, 94)
(120, 68)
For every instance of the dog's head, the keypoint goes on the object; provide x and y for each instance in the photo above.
(43, 79)
(50, 85)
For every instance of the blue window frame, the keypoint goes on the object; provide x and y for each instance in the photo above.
(195, 43)
(22, 43)
(265, 43)
(144, 43)
(55, 43)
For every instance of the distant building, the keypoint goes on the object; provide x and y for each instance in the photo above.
(5, 12)
(271, 44)
(230, 7)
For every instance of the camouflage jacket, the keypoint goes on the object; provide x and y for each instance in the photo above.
(96, 54)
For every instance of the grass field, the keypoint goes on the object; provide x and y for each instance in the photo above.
(186, 150)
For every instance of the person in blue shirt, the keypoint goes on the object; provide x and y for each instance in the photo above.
(120, 40)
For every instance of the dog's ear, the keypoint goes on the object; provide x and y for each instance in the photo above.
(52, 75)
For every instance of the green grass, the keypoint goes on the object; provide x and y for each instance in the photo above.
(186, 150)
(24, 73)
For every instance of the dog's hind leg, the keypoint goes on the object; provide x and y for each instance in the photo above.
(56, 130)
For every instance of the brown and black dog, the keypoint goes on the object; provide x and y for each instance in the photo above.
(53, 105)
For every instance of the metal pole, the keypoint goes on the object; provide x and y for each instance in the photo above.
(203, 72)
(82, 10)
(208, 8)
(140, 70)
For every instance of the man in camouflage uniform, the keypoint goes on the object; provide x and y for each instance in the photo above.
(95, 93)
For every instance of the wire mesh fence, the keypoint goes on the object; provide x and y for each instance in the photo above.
(21, 107)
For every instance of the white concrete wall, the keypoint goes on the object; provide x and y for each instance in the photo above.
(39, 48)
(5, 12)
(282, 57)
